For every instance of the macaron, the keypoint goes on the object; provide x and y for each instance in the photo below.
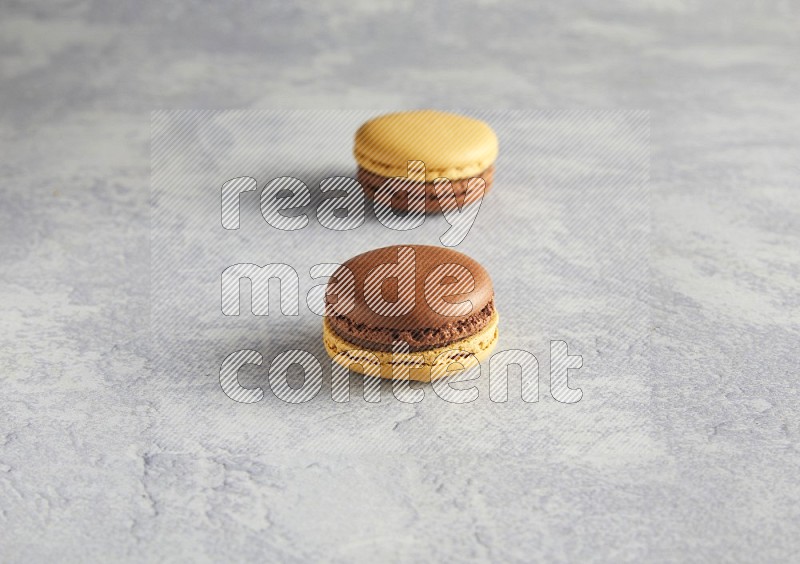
(428, 309)
(452, 146)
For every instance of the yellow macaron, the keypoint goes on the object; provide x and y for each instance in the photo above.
(451, 146)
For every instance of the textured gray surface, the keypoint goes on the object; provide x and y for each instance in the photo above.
(100, 460)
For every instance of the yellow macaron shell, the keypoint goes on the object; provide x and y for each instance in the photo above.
(450, 145)
(435, 360)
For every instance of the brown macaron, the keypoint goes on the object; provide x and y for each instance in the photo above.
(418, 306)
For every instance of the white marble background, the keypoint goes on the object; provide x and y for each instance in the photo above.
(704, 469)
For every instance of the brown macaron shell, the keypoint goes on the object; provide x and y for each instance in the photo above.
(423, 327)
(371, 182)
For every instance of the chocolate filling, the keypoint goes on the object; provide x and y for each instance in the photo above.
(371, 181)
(380, 338)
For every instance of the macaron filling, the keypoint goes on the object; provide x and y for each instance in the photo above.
(418, 339)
